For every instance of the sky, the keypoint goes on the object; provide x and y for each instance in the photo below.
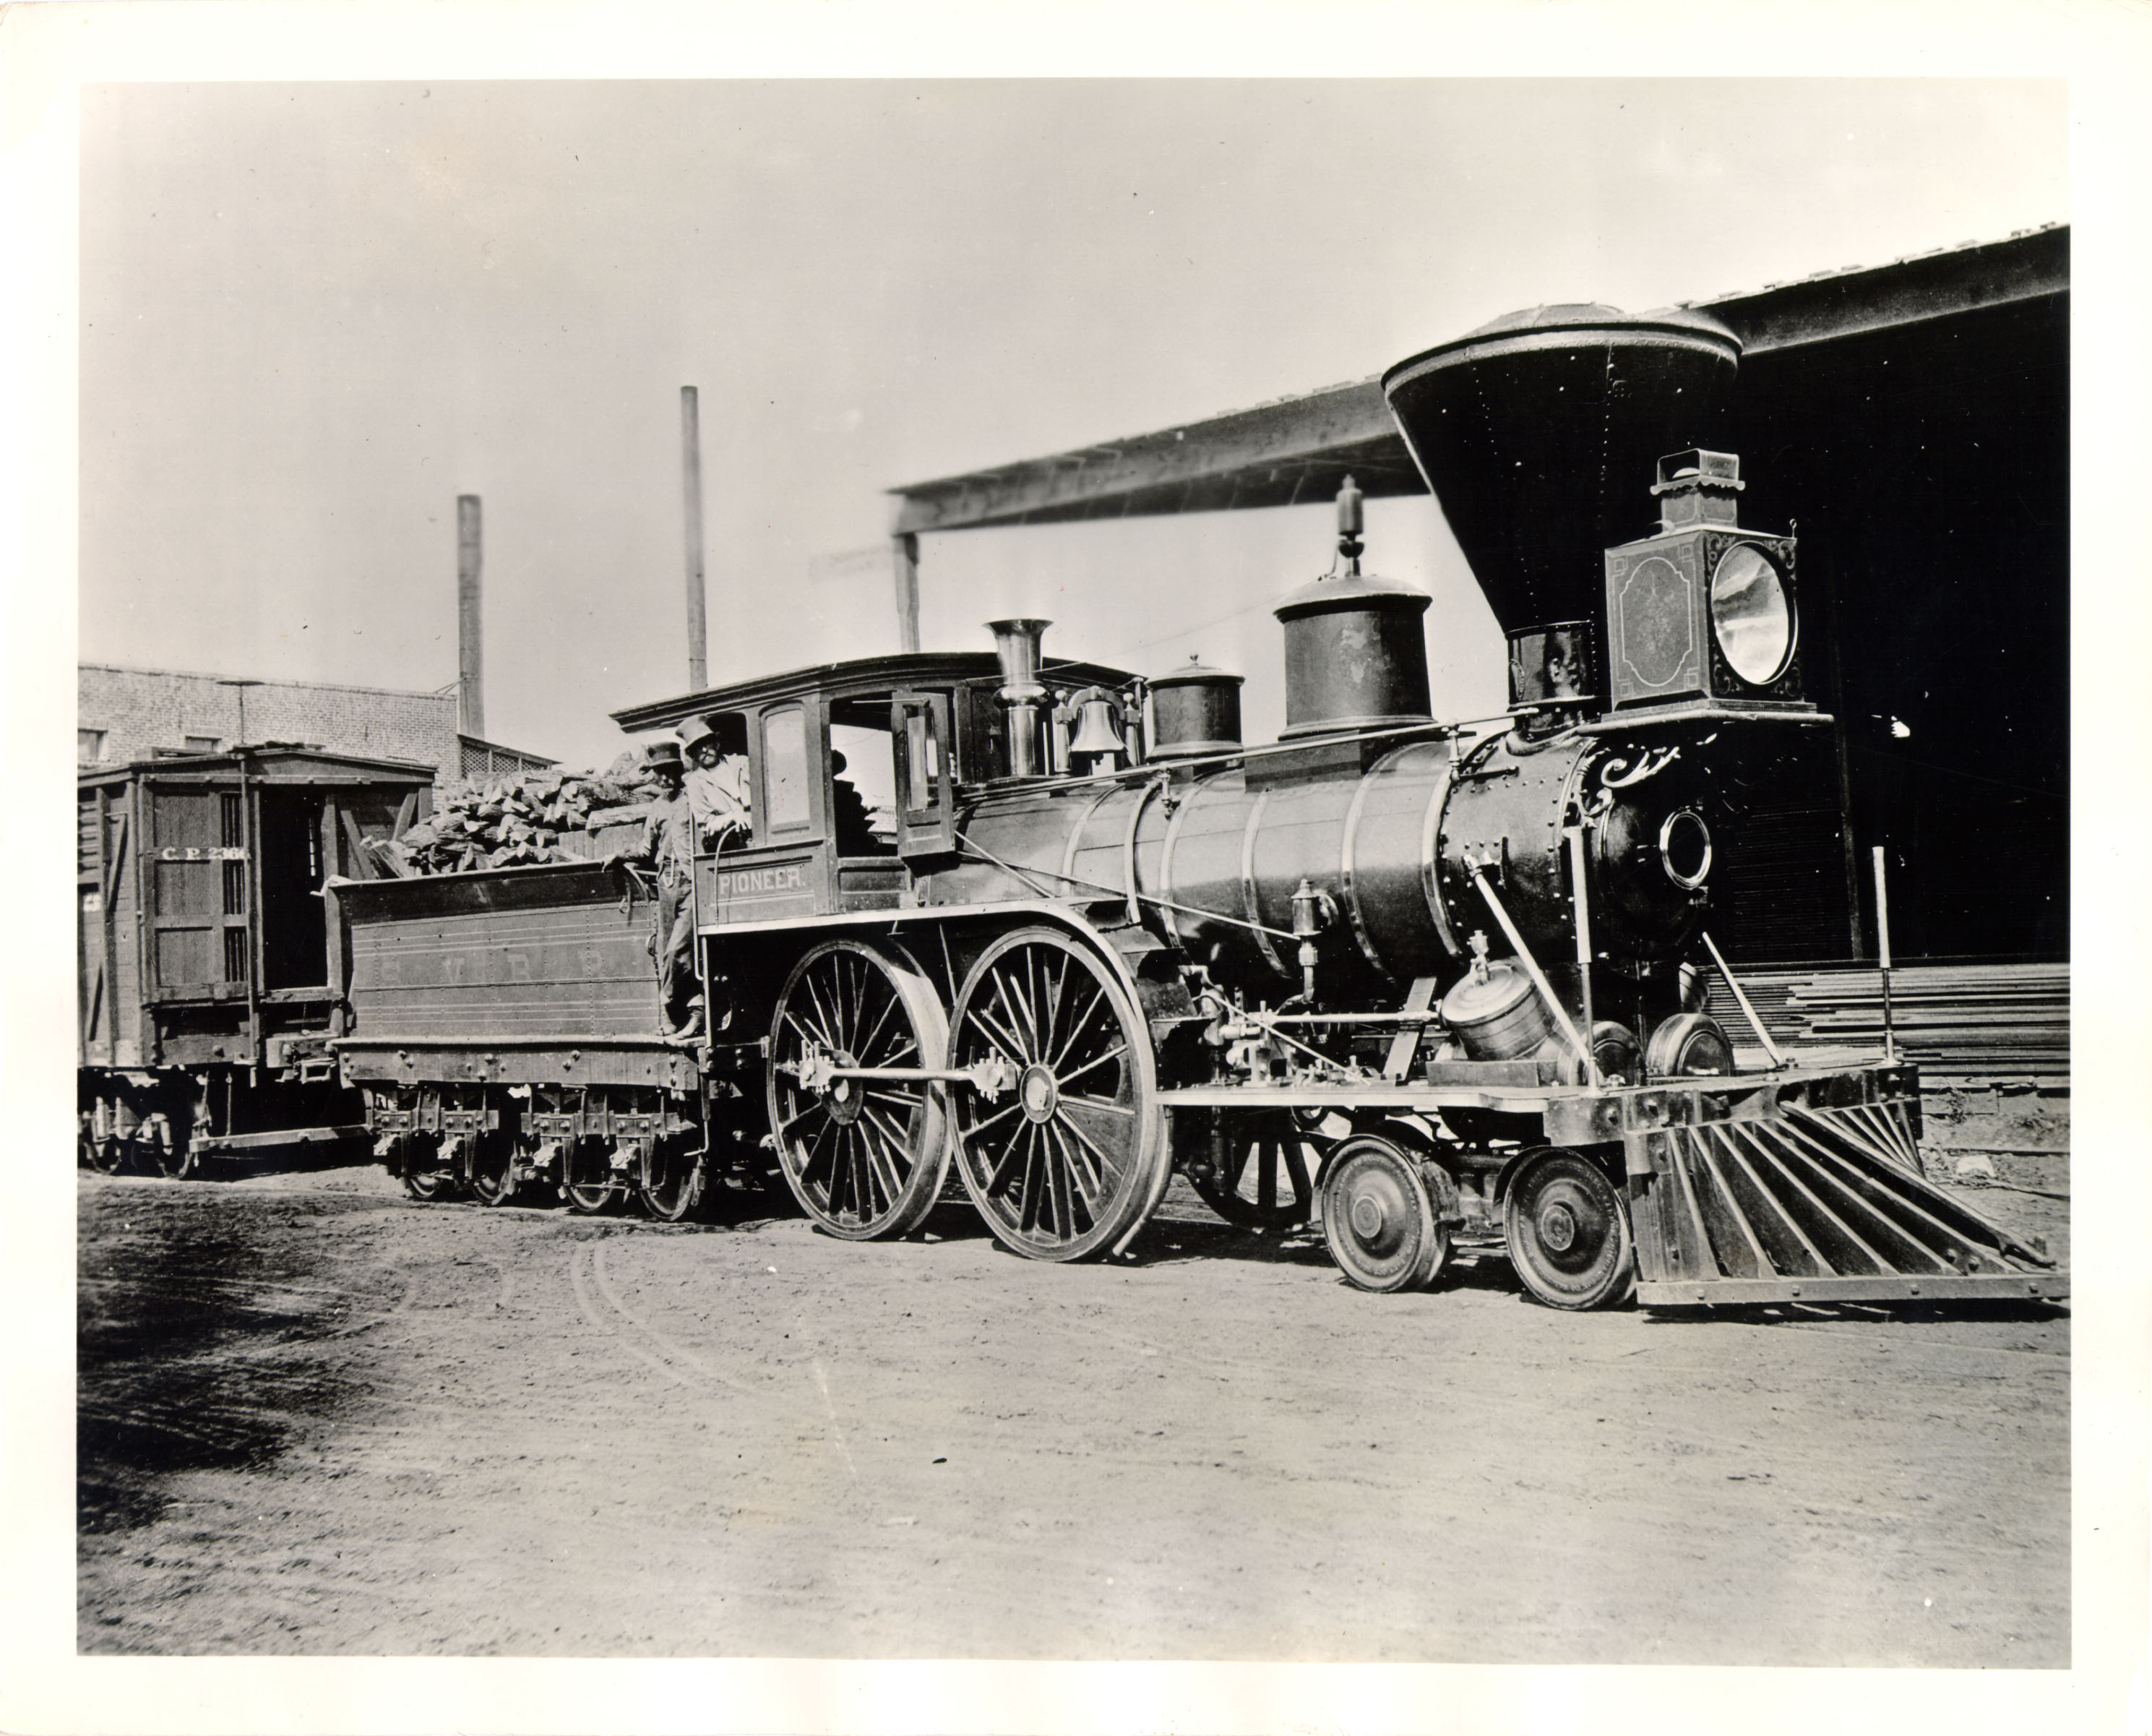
(313, 314)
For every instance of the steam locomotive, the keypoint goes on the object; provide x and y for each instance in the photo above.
(1417, 982)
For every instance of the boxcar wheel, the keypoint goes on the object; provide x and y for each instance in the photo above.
(865, 1158)
(493, 1169)
(109, 1153)
(1271, 1162)
(1077, 1157)
(162, 1150)
(1568, 1233)
(675, 1188)
(1379, 1217)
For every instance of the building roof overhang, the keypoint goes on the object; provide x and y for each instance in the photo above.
(1301, 449)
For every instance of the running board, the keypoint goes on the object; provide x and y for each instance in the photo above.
(1810, 1196)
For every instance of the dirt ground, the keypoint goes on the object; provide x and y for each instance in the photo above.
(318, 1418)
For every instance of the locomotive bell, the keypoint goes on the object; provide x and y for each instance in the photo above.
(1097, 736)
(1355, 647)
(1195, 710)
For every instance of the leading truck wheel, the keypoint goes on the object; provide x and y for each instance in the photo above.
(865, 1158)
(1075, 1159)
(1379, 1217)
(1568, 1233)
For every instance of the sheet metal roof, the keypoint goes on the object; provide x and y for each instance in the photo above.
(1301, 448)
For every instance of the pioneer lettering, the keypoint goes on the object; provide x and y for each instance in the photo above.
(739, 882)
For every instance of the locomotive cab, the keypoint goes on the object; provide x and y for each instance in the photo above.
(854, 772)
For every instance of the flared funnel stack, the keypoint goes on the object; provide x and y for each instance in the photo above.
(1539, 434)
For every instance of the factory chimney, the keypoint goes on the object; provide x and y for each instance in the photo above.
(470, 661)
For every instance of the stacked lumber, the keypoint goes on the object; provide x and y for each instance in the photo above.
(538, 816)
(1987, 1023)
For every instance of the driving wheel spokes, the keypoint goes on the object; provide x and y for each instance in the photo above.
(865, 1158)
(1257, 1170)
(1075, 1158)
(674, 1188)
(163, 1150)
(1568, 1232)
(493, 1167)
(1380, 1215)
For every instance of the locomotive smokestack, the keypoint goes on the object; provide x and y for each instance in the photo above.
(1539, 432)
(470, 658)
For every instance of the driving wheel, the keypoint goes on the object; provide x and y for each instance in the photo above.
(865, 1158)
(1075, 1157)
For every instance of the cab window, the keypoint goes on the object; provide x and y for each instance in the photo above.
(784, 770)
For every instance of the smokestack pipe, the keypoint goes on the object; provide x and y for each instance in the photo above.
(691, 495)
(470, 655)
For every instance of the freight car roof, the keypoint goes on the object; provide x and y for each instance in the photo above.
(268, 760)
(862, 675)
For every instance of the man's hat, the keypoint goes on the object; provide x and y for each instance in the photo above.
(663, 756)
(693, 732)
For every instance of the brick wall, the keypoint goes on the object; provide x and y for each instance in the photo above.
(141, 710)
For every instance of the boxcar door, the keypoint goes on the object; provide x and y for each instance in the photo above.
(195, 892)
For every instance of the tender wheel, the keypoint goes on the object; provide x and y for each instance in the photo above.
(493, 1169)
(1265, 1166)
(424, 1178)
(588, 1189)
(1568, 1230)
(865, 1158)
(160, 1149)
(1077, 1158)
(675, 1187)
(1379, 1217)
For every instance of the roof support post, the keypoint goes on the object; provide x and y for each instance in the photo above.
(904, 571)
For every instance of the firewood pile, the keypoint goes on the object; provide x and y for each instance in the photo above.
(540, 816)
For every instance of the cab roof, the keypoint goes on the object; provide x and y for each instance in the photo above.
(862, 677)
